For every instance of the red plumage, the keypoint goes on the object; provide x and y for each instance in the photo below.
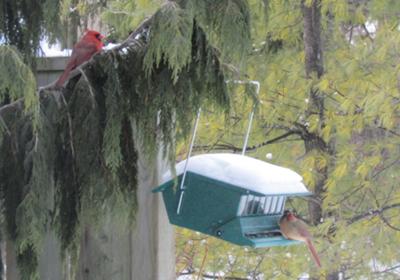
(88, 45)
(295, 229)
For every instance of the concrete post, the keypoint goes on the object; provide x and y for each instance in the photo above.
(146, 252)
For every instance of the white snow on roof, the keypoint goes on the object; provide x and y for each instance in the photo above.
(245, 172)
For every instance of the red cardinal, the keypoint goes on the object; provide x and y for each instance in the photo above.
(295, 229)
(89, 44)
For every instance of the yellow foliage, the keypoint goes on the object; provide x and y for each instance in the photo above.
(324, 84)
(340, 170)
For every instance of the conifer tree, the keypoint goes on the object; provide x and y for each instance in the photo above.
(68, 157)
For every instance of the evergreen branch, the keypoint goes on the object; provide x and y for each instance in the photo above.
(18, 104)
(145, 24)
(5, 127)
(89, 86)
(71, 142)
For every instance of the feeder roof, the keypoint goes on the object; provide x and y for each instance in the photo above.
(244, 172)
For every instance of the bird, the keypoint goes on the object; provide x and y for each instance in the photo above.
(295, 229)
(82, 51)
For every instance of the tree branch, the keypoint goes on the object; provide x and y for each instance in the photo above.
(132, 40)
(386, 222)
(364, 27)
(209, 276)
(388, 269)
(248, 148)
(372, 213)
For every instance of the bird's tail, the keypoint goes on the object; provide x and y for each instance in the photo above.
(64, 76)
(313, 252)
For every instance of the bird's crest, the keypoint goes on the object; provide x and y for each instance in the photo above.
(94, 33)
(289, 215)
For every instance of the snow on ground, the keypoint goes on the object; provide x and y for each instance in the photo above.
(244, 171)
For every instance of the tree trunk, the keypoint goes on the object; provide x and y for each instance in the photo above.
(313, 141)
(314, 65)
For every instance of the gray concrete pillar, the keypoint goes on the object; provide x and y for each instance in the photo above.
(146, 252)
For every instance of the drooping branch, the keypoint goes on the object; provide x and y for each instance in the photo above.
(83, 155)
(133, 41)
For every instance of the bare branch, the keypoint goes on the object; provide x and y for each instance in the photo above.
(376, 174)
(249, 148)
(390, 131)
(203, 262)
(372, 213)
(351, 34)
(386, 222)
(388, 269)
(209, 276)
(364, 27)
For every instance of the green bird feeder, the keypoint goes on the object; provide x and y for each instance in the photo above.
(233, 197)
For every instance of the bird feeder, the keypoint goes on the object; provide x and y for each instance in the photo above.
(232, 197)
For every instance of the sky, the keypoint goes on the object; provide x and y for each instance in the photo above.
(55, 49)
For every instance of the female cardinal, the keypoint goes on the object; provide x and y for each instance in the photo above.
(295, 229)
(89, 44)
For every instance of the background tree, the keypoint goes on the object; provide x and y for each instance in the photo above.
(329, 110)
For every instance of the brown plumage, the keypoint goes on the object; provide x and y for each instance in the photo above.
(295, 229)
(87, 46)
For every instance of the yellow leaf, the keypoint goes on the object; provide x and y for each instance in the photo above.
(340, 170)
(324, 85)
